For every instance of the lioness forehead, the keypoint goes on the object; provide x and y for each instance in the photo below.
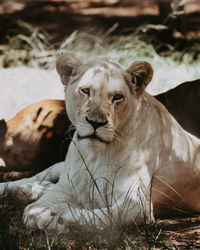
(102, 71)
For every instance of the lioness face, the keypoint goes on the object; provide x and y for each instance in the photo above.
(103, 99)
(101, 95)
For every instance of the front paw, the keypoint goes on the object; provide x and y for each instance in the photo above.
(44, 218)
(37, 217)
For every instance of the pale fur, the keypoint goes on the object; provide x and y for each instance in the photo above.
(142, 160)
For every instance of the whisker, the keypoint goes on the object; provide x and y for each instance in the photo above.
(118, 134)
(117, 137)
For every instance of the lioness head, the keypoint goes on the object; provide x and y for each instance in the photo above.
(101, 95)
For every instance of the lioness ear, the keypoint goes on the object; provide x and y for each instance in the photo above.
(141, 73)
(67, 65)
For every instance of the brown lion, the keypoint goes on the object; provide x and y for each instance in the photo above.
(34, 139)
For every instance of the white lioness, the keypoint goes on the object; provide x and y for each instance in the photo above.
(127, 153)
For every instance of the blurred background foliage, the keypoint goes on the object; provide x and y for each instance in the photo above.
(34, 32)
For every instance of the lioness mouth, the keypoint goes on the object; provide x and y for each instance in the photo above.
(93, 136)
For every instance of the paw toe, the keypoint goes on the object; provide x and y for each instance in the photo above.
(39, 217)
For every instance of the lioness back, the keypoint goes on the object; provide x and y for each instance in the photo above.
(183, 102)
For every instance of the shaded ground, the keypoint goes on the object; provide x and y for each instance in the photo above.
(165, 234)
(183, 233)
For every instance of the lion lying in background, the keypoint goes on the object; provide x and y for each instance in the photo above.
(128, 159)
(183, 102)
(34, 139)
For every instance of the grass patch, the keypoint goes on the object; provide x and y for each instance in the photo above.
(31, 46)
(14, 235)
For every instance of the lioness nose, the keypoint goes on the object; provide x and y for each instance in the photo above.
(95, 124)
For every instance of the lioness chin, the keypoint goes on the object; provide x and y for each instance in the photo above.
(128, 159)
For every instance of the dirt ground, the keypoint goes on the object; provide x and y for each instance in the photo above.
(183, 233)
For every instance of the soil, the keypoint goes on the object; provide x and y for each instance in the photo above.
(184, 233)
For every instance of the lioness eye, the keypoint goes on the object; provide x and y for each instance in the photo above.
(118, 98)
(85, 91)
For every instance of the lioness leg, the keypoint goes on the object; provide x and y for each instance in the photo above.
(58, 210)
(34, 187)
